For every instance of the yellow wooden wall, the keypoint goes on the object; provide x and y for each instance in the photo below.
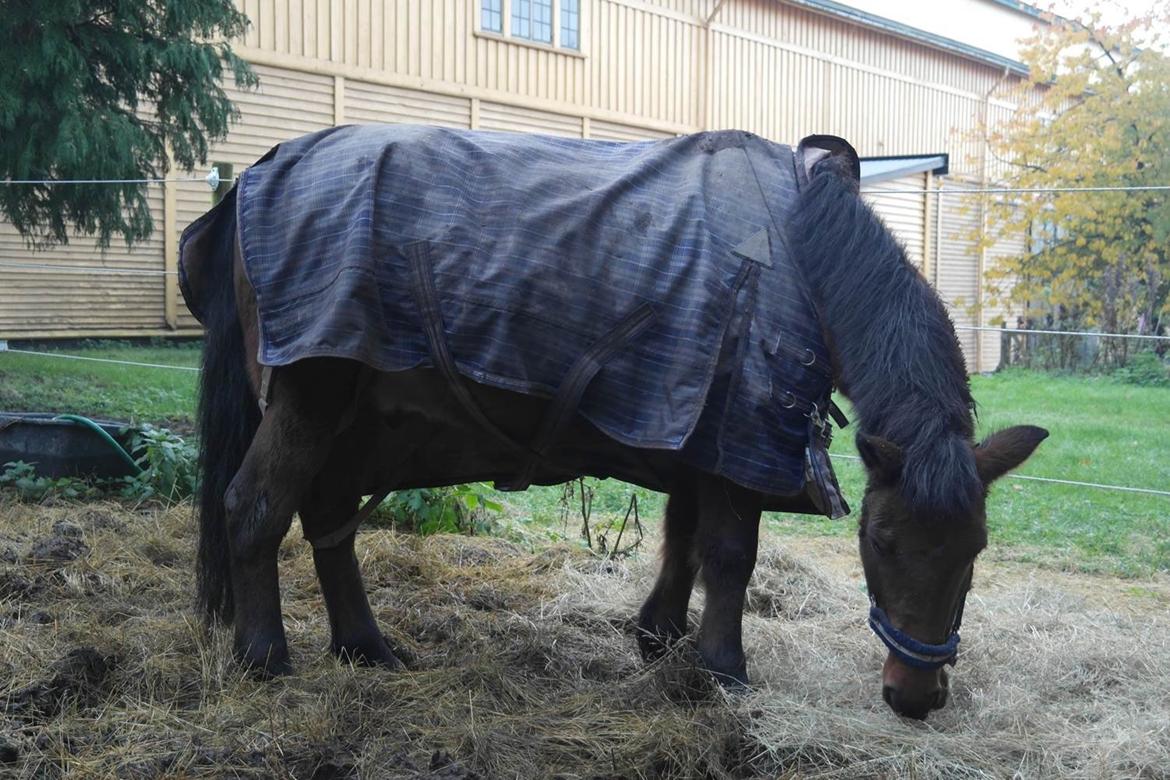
(905, 212)
(80, 288)
(671, 65)
(647, 69)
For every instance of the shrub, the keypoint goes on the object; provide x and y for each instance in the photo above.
(1145, 368)
(22, 479)
(169, 463)
(459, 509)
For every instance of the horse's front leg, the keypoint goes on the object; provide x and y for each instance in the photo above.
(288, 450)
(725, 545)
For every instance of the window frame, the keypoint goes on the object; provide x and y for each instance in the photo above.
(505, 33)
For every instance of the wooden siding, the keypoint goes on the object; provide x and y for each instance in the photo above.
(775, 69)
(366, 102)
(127, 293)
(645, 61)
(615, 131)
(957, 274)
(499, 116)
(647, 69)
(996, 311)
(828, 37)
(904, 213)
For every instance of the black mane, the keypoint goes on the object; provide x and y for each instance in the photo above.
(898, 359)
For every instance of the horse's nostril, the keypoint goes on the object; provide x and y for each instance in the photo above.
(940, 699)
(912, 708)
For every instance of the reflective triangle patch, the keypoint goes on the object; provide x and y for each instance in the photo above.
(756, 247)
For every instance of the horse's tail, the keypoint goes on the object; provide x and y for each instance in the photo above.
(228, 416)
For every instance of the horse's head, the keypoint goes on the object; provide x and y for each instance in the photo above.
(918, 564)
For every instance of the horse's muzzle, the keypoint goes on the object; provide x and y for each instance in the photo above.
(913, 693)
(917, 708)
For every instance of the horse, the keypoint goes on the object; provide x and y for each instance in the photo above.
(311, 433)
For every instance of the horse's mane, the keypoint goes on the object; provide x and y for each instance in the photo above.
(896, 353)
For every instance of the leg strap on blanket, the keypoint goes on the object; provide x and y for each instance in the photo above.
(432, 321)
(556, 418)
(563, 405)
(572, 387)
(331, 540)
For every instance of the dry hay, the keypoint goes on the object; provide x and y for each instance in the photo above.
(524, 665)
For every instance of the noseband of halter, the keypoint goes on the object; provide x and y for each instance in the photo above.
(909, 650)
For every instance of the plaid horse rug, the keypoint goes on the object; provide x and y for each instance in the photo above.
(648, 283)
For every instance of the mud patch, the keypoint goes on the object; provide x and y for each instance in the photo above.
(79, 676)
(19, 587)
(57, 549)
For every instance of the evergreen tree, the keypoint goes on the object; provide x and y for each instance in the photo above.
(99, 89)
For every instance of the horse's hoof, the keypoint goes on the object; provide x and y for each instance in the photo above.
(732, 682)
(372, 651)
(732, 677)
(265, 664)
(656, 639)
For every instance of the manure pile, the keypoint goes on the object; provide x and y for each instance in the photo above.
(523, 664)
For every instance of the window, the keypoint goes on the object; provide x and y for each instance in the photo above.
(551, 22)
(492, 16)
(571, 24)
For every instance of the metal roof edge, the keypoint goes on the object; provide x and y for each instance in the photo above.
(866, 19)
(938, 164)
(1025, 8)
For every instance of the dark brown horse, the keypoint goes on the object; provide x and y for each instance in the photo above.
(333, 429)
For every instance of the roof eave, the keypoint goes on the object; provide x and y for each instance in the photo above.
(938, 164)
(872, 21)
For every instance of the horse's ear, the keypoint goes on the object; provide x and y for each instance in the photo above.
(819, 152)
(1003, 450)
(881, 457)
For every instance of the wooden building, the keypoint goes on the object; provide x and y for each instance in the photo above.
(905, 94)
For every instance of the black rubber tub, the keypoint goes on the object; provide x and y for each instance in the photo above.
(63, 448)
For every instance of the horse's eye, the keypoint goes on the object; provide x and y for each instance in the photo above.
(879, 546)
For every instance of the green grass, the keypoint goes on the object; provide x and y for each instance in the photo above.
(30, 383)
(1103, 431)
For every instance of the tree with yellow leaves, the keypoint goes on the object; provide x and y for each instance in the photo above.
(1094, 112)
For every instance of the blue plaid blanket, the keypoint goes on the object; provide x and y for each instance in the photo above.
(529, 251)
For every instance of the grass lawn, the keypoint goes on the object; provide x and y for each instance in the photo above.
(160, 396)
(1102, 431)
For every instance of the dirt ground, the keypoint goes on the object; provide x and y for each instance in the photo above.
(523, 664)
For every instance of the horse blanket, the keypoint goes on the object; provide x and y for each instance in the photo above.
(653, 278)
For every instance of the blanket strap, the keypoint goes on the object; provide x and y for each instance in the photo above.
(427, 299)
(338, 535)
(560, 411)
(564, 404)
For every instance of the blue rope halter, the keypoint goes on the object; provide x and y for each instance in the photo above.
(909, 650)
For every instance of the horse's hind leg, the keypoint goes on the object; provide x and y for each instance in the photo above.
(354, 632)
(289, 448)
(663, 618)
(725, 544)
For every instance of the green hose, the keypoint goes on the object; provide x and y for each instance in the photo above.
(100, 431)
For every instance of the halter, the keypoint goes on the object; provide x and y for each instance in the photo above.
(909, 650)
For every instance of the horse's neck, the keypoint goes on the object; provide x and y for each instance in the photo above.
(895, 356)
(893, 345)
